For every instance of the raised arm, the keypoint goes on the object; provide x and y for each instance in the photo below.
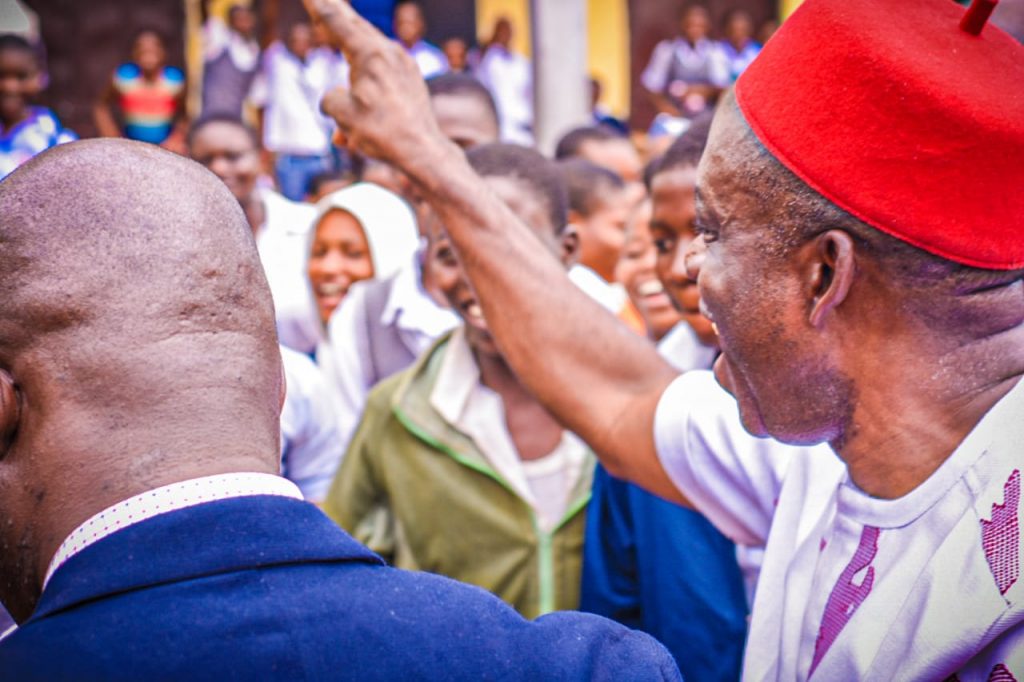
(597, 377)
(102, 112)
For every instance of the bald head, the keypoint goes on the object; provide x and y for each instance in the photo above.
(137, 342)
(111, 235)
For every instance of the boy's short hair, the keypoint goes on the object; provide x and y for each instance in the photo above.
(207, 119)
(537, 173)
(586, 182)
(651, 168)
(569, 146)
(317, 182)
(16, 43)
(463, 84)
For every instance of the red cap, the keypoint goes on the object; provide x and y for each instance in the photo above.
(903, 118)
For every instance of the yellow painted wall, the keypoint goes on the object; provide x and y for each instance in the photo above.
(608, 51)
(518, 12)
(607, 41)
(786, 7)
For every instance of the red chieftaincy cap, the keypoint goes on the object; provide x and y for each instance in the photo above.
(908, 114)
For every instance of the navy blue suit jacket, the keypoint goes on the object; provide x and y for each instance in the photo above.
(267, 587)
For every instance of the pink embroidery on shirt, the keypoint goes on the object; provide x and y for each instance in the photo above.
(1000, 536)
(1001, 673)
(847, 596)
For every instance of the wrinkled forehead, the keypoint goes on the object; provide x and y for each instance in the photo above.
(725, 169)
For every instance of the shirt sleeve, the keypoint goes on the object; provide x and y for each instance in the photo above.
(311, 447)
(216, 36)
(655, 75)
(731, 477)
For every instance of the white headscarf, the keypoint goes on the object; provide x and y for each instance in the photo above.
(387, 221)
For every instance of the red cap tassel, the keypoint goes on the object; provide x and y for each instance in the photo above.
(977, 15)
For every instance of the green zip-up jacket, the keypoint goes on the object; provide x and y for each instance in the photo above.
(422, 495)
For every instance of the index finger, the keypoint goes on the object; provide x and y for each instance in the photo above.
(356, 35)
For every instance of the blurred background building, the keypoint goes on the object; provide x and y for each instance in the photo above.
(85, 41)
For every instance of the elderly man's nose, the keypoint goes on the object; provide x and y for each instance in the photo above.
(693, 257)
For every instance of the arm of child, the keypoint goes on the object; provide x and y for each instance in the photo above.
(103, 114)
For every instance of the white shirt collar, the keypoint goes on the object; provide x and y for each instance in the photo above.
(168, 498)
(410, 307)
(611, 296)
(465, 403)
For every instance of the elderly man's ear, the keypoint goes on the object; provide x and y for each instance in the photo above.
(10, 411)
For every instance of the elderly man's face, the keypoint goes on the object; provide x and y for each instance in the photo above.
(779, 367)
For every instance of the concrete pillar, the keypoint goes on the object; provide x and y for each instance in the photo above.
(560, 81)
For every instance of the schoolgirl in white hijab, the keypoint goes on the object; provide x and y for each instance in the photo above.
(361, 232)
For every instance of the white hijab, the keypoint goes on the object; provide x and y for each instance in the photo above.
(387, 221)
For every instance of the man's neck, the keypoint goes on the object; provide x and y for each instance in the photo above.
(910, 419)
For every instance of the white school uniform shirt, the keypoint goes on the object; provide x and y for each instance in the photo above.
(466, 403)
(676, 60)
(290, 90)
(311, 446)
(611, 295)
(510, 79)
(218, 38)
(684, 351)
(430, 60)
(282, 242)
(852, 587)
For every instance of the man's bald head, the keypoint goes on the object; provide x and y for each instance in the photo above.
(112, 233)
(137, 341)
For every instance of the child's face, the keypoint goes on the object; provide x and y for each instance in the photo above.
(228, 151)
(148, 52)
(242, 20)
(455, 50)
(451, 279)
(19, 83)
(603, 232)
(695, 24)
(339, 257)
(300, 40)
(674, 211)
(409, 24)
(636, 272)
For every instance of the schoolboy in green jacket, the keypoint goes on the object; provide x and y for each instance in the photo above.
(455, 468)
